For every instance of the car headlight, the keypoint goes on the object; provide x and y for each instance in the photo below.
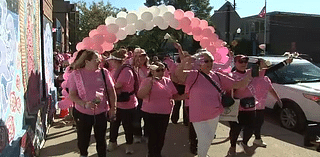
(315, 98)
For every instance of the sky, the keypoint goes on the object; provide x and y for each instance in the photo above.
(243, 7)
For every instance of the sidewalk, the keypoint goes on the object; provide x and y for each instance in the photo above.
(62, 142)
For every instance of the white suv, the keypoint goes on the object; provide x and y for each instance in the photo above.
(298, 86)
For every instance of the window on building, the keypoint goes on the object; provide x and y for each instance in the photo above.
(261, 26)
(256, 26)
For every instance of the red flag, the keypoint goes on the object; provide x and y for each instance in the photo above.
(262, 12)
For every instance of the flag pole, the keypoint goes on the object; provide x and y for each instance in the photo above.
(265, 26)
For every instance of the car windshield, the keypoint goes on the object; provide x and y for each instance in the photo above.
(296, 73)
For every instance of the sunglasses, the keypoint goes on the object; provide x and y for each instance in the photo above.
(158, 70)
(243, 61)
(207, 61)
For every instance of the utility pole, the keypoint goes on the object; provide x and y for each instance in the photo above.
(228, 24)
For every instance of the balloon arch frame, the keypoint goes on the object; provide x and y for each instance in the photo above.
(105, 36)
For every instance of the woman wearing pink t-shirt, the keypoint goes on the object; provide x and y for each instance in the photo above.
(204, 99)
(125, 79)
(87, 89)
(157, 92)
(140, 64)
(257, 88)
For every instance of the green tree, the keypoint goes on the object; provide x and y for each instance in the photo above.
(90, 17)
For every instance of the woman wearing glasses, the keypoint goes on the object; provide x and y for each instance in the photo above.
(157, 92)
(85, 81)
(204, 99)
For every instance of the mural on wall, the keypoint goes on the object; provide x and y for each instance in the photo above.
(11, 85)
(29, 23)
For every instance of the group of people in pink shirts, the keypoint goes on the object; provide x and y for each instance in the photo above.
(126, 86)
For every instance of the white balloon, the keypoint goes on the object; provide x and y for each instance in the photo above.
(171, 8)
(146, 16)
(122, 34)
(155, 11)
(163, 9)
(174, 23)
(149, 25)
(143, 9)
(110, 20)
(130, 29)
(168, 16)
(112, 28)
(131, 18)
(122, 14)
(140, 25)
(158, 20)
(121, 22)
(163, 26)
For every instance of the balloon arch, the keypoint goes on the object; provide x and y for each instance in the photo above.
(105, 36)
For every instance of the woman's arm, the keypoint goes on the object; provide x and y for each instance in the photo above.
(145, 89)
(184, 65)
(275, 95)
(73, 95)
(112, 101)
(244, 82)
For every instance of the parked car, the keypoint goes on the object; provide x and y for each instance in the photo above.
(298, 86)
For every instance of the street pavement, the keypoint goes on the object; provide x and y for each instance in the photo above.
(62, 142)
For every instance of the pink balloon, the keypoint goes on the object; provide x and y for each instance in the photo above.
(212, 29)
(65, 93)
(204, 42)
(218, 43)
(93, 33)
(189, 14)
(64, 104)
(223, 51)
(195, 22)
(178, 14)
(207, 32)
(203, 24)
(97, 48)
(102, 29)
(64, 84)
(184, 22)
(211, 49)
(196, 31)
(107, 46)
(190, 33)
(187, 29)
(217, 57)
(80, 46)
(214, 37)
(110, 38)
(88, 41)
(197, 37)
(98, 39)
(224, 59)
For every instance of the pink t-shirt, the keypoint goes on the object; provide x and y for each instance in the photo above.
(246, 92)
(204, 99)
(159, 97)
(92, 82)
(262, 87)
(142, 73)
(127, 80)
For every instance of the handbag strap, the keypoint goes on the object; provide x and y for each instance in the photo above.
(105, 85)
(212, 82)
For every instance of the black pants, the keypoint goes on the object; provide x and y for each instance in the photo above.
(137, 121)
(246, 122)
(259, 120)
(124, 116)
(84, 125)
(156, 125)
(176, 112)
